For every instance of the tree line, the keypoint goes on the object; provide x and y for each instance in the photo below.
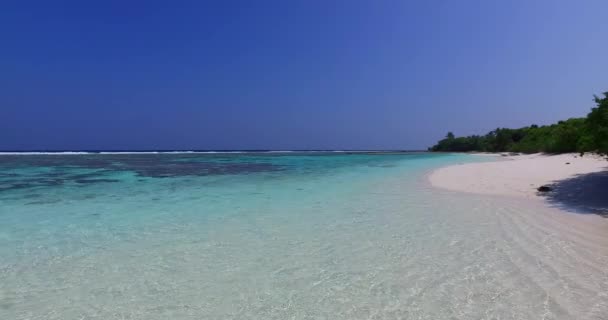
(589, 134)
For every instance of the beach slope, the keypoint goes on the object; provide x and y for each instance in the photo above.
(519, 175)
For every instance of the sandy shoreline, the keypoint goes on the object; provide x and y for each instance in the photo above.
(576, 180)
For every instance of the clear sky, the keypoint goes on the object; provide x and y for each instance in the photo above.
(291, 74)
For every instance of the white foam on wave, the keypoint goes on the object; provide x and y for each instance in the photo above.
(29, 153)
(181, 152)
(25, 153)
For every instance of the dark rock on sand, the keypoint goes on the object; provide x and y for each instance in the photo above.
(544, 189)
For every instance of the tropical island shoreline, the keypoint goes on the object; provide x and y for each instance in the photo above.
(564, 162)
(575, 182)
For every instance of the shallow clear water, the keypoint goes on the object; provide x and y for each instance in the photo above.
(280, 236)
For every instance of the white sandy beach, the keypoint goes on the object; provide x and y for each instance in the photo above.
(565, 251)
(518, 175)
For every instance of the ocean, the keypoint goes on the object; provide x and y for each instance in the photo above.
(278, 235)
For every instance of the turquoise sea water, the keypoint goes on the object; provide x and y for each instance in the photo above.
(268, 236)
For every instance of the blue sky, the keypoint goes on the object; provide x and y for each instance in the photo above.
(291, 74)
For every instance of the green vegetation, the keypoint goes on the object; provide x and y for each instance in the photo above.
(588, 134)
